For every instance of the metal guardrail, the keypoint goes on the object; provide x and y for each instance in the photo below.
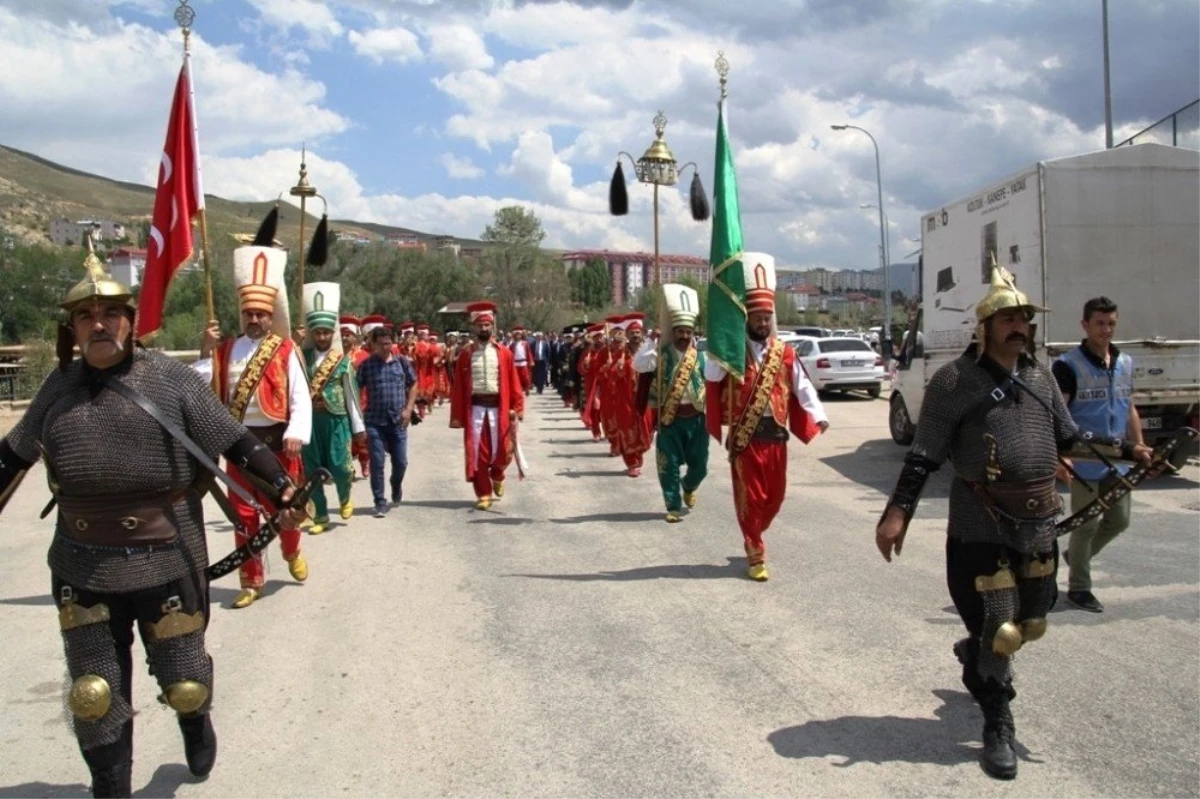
(1180, 129)
(13, 363)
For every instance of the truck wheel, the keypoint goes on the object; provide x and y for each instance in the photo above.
(874, 391)
(899, 424)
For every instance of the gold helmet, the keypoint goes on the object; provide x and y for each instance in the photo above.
(1002, 294)
(97, 284)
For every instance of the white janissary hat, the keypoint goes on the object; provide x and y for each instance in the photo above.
(759, 271)
(258, 275)
(321, 303)
(682, 303)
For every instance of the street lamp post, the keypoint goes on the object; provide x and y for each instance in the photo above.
(886, 344)
(658, 167)
(886, 254)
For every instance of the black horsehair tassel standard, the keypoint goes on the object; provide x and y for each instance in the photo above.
(318, 251)
(618, 197)
(699, 199)
(265, 237)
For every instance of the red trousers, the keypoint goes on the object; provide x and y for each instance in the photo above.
(489, 466)
(759, 482)
(633, 460)
(289, 540)
(525, 375)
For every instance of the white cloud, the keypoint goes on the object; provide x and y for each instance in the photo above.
(313, 17)
(461, 168)
(387, 44)
(458, 47)
(118, 131)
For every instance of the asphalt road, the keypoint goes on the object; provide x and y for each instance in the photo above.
(570, 643)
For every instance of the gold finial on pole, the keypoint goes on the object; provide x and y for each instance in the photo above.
(303, 189)
(722, 66)
(185, 15)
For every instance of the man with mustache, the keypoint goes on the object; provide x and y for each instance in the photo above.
(259, 376)
(774, 397)
(999, 417)
(129, 548)
(354, 346)
(486, 402)
(677, 394)
(624, 423)
(591, 363)
(337, 419)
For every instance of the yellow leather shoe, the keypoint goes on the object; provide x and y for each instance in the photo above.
(498, 487)
(246, 598)
(689, 498)
(483, 503)
(673, 517)
(319, 526)
(758, 573)
(298, 566)
(347, 509)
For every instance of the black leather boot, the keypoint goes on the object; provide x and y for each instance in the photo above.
(199, 743)
(113, 781)
(999, 759)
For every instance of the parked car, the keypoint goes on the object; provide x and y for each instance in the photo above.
(841, 364)
(813, 332)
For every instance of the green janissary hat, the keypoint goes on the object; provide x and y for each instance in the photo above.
(321, 301)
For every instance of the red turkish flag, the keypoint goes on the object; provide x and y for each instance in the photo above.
(179, 198)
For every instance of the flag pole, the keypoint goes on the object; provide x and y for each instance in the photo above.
(185, 15)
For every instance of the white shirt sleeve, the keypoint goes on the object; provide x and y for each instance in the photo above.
(352, 409)
(204, 366)
(713, 371)
(806, 394)
(646, 359)
(300, 403)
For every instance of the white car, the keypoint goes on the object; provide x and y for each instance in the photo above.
(841, 364)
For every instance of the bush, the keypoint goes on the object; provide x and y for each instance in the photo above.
(39, 361)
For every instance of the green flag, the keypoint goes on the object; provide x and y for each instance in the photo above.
(727, 291)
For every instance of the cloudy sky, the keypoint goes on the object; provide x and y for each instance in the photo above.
(430, 114)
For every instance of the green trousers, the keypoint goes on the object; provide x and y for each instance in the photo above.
(1087, 540)
(329, 448)
(684, 442)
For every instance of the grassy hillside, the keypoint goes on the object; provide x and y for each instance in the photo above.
(33, 191)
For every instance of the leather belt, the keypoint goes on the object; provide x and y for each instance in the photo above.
(1034, 499)
(121, 520)
(686, 411)
(486, 400)
(270, 435)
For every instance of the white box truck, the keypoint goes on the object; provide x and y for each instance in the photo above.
(1123, 223)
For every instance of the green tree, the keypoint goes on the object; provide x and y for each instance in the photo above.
(33, 281)
(515, 226)
(591, 286)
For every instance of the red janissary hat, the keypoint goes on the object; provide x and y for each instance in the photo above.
(373, 321)
(635, 321)
(351, 323)
(422, 326)
(405, 327)
(483, 311)
(596, 329)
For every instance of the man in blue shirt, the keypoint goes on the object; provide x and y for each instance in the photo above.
(1096, 380)
(388, 379)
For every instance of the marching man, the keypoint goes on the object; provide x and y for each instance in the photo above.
(624, 424)
(337, 418)
(486, 403)
(522, 357)
(682, 438)
(354, 345)
(775, 397)
(259, 377)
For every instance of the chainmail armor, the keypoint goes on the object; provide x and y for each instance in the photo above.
(181, 658)
(1027, 435)
(102, 444)
(1036, 594)
(999, 606)
(90, 649)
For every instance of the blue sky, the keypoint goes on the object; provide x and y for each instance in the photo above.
(431, 115)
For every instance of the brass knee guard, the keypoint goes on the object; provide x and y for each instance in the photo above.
(186, 696)
(90, 697)
(1001, 635)
(1037, 588)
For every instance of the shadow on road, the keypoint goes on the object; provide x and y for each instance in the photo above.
(442, 504)
(225, 596)
(610, 517)
(36, 599)
(571, 441)
(166, 780)
(948, 740)
(574, 474)
(580, 455)
(877, 463)
(45, 789)
(734, 569)
(492, 518)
